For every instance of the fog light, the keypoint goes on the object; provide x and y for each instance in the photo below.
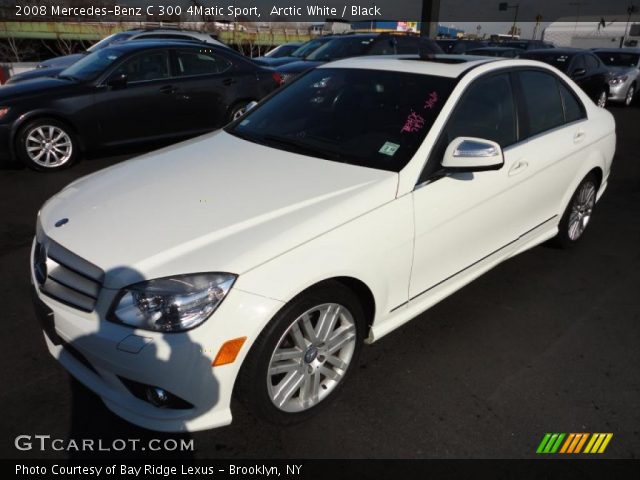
(157, 396)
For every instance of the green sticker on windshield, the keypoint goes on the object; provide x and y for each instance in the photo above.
(389, 149)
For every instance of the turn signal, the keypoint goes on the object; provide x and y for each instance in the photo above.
(228, 352)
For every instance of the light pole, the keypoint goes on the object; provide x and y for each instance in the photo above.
(577, 5)
(631, 9)
(503, 7)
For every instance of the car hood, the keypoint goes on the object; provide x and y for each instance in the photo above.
(40, 85)
(37, 73)
(299, 66)
(59, 62)
(214, 203)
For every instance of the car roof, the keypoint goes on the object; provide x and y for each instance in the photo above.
(441, 65)
(496, 49)
(161, 42)
(617, 50)
(557, 51)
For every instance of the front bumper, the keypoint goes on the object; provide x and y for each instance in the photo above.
(618, 93)
(100, 353)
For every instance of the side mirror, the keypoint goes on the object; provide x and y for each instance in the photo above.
(468, 154)
(118, 80)
(578, 72)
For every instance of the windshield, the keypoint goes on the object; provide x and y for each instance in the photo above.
(309, 47)
(371, 118)
(91, 66)
(105, 42)
(619, 59)
(342, 48)
(559, 60)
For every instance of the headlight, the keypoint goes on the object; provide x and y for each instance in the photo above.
(3, 111)
(618, 80)
(172, 304)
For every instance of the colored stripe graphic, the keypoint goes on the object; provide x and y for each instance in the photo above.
(573, 443)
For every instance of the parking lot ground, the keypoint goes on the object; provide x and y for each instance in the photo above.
(546, 342)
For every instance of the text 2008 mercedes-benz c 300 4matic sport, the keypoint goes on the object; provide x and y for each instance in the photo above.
(256, 261)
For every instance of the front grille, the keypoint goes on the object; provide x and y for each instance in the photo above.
(67, 277)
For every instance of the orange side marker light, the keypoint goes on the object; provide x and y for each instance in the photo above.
(228, 352)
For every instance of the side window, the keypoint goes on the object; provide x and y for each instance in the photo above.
(573, 109)
(577, 63)
(592, 62)
(195, 62)
(541, 100)
(145, 67)
(408, 45)
(487, 111)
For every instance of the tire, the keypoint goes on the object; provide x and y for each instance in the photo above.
(314, 373)
(578, 213)
(237, 110)
(629, 97)
(47, 144)
(602, 98)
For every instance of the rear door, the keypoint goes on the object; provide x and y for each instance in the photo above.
(207, 81)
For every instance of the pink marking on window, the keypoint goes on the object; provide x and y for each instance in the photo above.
(431, 101)
(414, 123)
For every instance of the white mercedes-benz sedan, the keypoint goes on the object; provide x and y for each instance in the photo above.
(255, 261)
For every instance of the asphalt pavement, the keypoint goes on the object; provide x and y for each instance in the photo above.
(546, 342)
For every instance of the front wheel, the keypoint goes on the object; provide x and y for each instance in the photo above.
(628, 99)
(46, 145)
(578, 213)
(302, 358)
(602, 99)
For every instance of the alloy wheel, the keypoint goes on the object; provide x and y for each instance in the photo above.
(602, 99)
(48, 146)
(311, 358)
(581, 210)
(629, 97)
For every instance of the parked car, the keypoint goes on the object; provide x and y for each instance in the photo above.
(257, 259)
(584, 68)
(53, 66)
(360, 44)
(284, 50)
(505, 52)
(527, 44)
(129, 92)
(461, 46)
(301, 53)
(624, 67)
(446, 44)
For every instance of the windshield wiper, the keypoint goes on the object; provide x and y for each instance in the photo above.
(301, 147)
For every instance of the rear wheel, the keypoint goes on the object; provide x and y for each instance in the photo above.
(302, 358)
(578, 214)
(47, 144)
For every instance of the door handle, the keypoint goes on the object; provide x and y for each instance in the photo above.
(228, 81)
(579, 136)
(518, 167)
(168, 89)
